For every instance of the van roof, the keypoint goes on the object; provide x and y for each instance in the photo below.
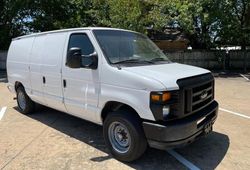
(67, 30)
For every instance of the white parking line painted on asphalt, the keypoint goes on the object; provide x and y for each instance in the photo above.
(2, 112)
(181, 159)
(235, 113)
(247, 79)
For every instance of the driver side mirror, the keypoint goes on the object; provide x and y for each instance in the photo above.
(75, 59)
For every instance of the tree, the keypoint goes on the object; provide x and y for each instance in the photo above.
(99, 13)
(51, 14)
(207, 23)
(126, 14)
(198, 19)
(21, 17)
(235, 24)
(10, 21)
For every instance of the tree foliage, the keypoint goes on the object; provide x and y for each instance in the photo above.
(235, 25)
(207, 23)
(11, 19)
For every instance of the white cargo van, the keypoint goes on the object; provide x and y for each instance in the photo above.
(116, 78)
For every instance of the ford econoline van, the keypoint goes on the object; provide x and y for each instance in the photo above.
(116, 78)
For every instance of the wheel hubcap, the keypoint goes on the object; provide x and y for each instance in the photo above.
(119, 137)
(21, 100)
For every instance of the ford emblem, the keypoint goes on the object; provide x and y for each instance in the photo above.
(203, 94)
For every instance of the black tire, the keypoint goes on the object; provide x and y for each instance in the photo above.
(138, 143)
(29, 105)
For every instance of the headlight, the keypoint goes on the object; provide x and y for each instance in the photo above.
(160, 103)
(160, 96)
(165, 111)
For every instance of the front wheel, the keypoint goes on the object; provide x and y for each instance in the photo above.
(124, 136)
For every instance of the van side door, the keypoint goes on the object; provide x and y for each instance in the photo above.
(35, 62)
(81, 85)
(52, 71)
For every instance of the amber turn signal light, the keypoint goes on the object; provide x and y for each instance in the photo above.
(155, 97)
(166, 96)
(160, 96)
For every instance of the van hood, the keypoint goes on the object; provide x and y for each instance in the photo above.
(167, 74)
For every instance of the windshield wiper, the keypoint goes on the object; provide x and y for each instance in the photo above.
(158, 59)
(133, 61)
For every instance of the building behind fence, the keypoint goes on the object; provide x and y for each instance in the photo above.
(213, 60)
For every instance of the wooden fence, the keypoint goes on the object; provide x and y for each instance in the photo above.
(213, 60)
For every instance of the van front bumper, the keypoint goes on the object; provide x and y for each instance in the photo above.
(177, 133)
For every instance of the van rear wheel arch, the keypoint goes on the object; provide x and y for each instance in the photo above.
(17, 85)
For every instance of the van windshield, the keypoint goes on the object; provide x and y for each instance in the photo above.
(122, 47)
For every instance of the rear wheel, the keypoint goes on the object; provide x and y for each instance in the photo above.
(124, 136)
(25, 104)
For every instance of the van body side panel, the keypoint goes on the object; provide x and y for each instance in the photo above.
(51, 70)
(35, 69)
(18, 62)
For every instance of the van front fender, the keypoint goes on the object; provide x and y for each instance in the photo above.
(137, 99)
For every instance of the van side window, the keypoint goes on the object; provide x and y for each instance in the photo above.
(81, 41)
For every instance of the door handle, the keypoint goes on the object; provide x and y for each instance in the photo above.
(44, 80)
(64, 83)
